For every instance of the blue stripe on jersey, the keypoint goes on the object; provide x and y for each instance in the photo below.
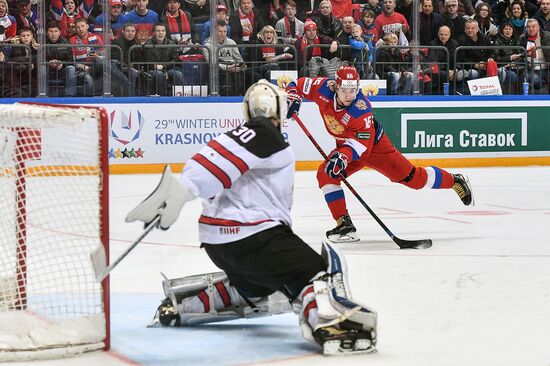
(334, 196)
(438, 177)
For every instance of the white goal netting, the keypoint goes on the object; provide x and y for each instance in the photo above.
(53, 214)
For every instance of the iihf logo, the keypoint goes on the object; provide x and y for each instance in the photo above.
(127, 130)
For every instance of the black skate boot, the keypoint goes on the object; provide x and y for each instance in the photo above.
(168, 314)
(463, 188)
(343, 341)
(344, 231)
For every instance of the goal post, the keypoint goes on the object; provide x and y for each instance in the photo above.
(54, 206)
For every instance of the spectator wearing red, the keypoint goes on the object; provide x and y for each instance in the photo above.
(310, 37)
(180, 24)
(391, 22)
(290, 28)
(341, 8)
(66, 14)
(367, 25)
(7, 22)
(246, 22)
(26, 17)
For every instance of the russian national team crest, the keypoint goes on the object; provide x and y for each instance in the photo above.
(333, 125)
(126, 127)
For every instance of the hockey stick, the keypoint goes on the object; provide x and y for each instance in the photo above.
(402, 243)
(99, 260)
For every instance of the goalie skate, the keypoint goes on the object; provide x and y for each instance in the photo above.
(344, 232)
(336, 341)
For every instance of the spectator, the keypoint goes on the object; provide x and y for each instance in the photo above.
(367, 25)
(180, 24)
(26, 17)
(310, 38)
(246, 23)
(269, 55)
(271, 11)
(143, 18)
(507, 58)
(391, 22)
(517, 16)
(441, 63)
(375, 6)
(483, 17)
(532, 38)
(124, 59)
(290, 28)
(473, 62)
(60, 62)
(162, 61)
(89, 58)
(235, 77)
(453, 20)
(342, 38)
(326, 23)
(25, 64)
(405, 8)
(464, 9)
(341, 8)
(67, 13)
(118, 19)
(390, 66)
(129, 5)
(543, 15)
(428, 22)
(8, 24)
(362, 52)
(199, 10)
(221, 14)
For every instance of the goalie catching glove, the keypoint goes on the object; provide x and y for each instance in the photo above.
(336, 165)
(165, 201)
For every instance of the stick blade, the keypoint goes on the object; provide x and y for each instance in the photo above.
(413, 244)
(99, 262)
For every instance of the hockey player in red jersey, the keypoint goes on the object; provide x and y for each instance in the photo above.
(245, 177)
(360, 142)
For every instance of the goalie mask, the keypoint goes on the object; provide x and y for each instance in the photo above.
(264, 99)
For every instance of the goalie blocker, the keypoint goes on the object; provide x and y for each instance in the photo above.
(328, 315)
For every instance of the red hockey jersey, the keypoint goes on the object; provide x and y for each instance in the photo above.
(352, 127)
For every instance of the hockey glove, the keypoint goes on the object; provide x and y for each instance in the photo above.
(336, 165)
(294, 102)
(166, 200)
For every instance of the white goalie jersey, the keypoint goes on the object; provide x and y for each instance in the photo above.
(246, 184)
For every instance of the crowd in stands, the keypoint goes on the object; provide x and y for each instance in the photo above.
(157, 45)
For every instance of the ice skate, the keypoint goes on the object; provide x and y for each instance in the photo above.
(336, 341)
(167, 314)
(344, 232)
(463, 188)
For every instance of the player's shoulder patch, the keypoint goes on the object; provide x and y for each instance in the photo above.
(360, 106)
(327, 88)
(259, 137)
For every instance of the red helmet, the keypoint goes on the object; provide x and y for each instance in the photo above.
(347, 77)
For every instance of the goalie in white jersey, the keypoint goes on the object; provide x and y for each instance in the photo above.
(245, 178)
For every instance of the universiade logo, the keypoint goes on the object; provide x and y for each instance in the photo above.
(125, 129)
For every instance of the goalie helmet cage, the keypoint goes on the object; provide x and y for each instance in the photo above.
(54, 212)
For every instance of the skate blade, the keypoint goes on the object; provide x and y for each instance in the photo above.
(471, 190)
(348, 238)
(361, 346)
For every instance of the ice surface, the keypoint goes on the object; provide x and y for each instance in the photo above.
(479, 296)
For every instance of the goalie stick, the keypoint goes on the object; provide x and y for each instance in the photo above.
(402, 243)
(99, 260)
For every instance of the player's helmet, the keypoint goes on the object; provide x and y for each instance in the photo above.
(347, 77)
(264, 99)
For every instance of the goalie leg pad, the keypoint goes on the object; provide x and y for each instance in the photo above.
(211, 298)
(329, 316)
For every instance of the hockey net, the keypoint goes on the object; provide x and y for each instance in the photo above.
(54, 212)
